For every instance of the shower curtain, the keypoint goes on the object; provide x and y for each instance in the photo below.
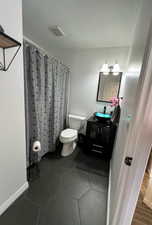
(46, 94)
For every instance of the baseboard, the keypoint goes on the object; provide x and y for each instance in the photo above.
(108, 200)
(12, 198)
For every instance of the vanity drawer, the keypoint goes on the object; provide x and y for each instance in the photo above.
(98, 148)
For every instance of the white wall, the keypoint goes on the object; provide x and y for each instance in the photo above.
(12, 118)
(85, 65)
(134, 67)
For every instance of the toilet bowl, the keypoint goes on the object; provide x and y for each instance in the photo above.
(68, 138)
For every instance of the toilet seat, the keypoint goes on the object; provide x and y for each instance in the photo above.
(68, 135)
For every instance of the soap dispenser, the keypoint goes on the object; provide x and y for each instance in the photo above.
(104, 110)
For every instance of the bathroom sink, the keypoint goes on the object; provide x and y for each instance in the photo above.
(102, 116)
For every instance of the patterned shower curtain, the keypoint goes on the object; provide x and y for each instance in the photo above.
(46, 92)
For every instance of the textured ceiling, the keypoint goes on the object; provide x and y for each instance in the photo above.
(86, 23)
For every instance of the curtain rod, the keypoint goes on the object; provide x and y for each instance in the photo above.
(43, 51)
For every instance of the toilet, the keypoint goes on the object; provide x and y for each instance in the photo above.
(69, 136)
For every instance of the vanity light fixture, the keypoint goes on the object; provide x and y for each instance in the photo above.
(113, 69)
(116, 69)
(105, 69)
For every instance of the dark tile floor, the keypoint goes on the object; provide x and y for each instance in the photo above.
(69, 191)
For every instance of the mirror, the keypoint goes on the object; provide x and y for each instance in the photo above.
(108, 87)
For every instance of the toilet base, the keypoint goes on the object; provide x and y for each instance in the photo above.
(68, 148)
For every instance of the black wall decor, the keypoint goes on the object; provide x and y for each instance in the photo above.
(7, 42)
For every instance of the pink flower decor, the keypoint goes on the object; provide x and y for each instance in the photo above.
(114, 101)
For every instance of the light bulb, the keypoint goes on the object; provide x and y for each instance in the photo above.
(105, 69)
(116, 69)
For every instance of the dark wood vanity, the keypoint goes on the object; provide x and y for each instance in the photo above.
(100, 136)
(101, 132)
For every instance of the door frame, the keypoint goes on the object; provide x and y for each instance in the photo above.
(138, 145)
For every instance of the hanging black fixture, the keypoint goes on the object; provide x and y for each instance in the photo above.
(7, 42)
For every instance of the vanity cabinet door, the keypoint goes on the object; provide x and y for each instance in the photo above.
(104, 135)
(99, 133)
(92, 131)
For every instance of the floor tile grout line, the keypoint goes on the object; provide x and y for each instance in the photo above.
(78, 199)
(79, 211)
(38, 216)
(92, 172)
(31, 201)
(95, 189)
(90, 182)
(99, 191)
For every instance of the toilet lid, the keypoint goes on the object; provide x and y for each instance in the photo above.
(69, 133)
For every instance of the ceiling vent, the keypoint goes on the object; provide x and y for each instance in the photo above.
(57, 31)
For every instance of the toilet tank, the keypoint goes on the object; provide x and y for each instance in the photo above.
(76, 122)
